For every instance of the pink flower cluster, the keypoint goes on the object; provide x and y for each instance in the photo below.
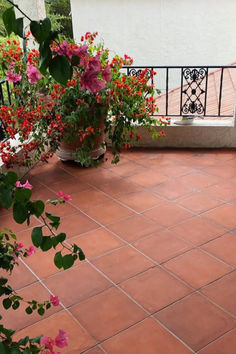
(66, 197)
(54, 300)
(60, 341)
(89, 78)
(33, 74)
(29, 251)
(70, 51)
(13, 77)
(26, 185)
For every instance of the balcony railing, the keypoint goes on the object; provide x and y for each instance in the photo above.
(206, 91)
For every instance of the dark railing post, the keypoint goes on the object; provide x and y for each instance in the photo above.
(206, 89)
(181, 91)
(167, 90)
(220, 93)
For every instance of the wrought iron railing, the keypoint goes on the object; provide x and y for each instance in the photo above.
(5, 99)
(191, 87)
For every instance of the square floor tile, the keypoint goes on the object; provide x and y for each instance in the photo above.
(140, 201)
(168, 214)
(199, 180)
(199, 202)
(224, 248)
(107, 313)
(71, 185)
(225, 191)
(172, 190)
(122, 264)
(18, 319)
(79, 340)
(155, 289)
(61, 210)
(95, 350)
(223, 292)
(119, 187)
(147, 337)
(197, 268)
(77, 284)
(76, 224)
(109, 212)
(226, 170)
(42, 263)
(20, 277)
(223, 345)
(148, 178)
(97, 242)
(223, 215)
(89, 198)
(176, 170)
(196, 321)
(162, 246)
(198, 230)
(134, 227)
(97, 177)
(127, 169)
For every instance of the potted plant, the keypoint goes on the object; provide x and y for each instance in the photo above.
(85, 97)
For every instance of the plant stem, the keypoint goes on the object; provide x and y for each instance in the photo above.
(16, 6)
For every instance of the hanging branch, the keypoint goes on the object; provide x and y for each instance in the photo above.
(16, 6)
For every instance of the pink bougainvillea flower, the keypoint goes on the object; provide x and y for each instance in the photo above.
(18, 184)
(13, 77)
(27, 185)
(54, 300)
(67, 197)
(89, 78)
(61, 339)
(64, 49)
(81, 52)
(30, 251)
(20, 245)
(106, 74)
(33, 74)
(48, 343)
(60, 194)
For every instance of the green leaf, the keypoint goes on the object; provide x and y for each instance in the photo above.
(46, 243)
(41, 311)
(18, 27)
(74, 60)
(54, 242)
(60, 69)
(61, 237)
(15, 351)
(16, 305)
(2, 348)
(37, 236)
(7, 303)
(45, 57)
(3, 281)
(81, 255)
(48, 306)
(58, 260)
(8, 19)
(23, 341)
(28, 310)
(36, 339)
(41, 29)
(67, 261)
(5, 197)
(20, 212)
(22, 194)
(38, 207)
(53, 217)
(11, 178)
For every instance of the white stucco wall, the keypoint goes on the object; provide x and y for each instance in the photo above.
(162, 32)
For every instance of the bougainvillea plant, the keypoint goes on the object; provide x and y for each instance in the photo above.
(15, 195)
(65, 89)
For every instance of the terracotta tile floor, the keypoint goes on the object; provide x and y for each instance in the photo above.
(159, 233)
